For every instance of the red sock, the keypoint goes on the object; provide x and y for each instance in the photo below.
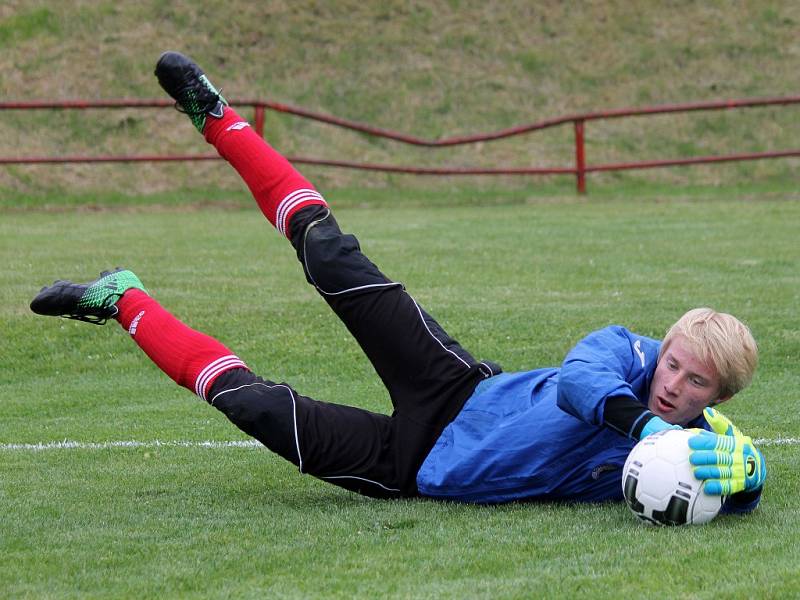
(192, 359)
(278, 188)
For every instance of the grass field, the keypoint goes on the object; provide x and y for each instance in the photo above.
(518, 283)
(115, 483)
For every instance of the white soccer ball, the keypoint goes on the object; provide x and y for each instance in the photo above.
(658, 483)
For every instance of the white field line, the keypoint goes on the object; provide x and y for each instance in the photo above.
(73, 445)
(781, 441)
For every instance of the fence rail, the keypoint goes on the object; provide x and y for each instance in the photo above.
(579, 170)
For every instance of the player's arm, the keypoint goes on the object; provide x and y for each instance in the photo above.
(629, 417)
(742, 503)
(597, 380)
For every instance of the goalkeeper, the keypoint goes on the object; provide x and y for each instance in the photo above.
(460, 429)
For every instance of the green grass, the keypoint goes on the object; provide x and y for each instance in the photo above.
(517, 282)
(517, 269)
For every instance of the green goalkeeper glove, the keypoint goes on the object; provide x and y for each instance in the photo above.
(727, 460)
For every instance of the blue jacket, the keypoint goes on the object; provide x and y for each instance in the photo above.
(540, 435)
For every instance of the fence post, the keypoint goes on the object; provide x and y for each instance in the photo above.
(259, 119)
(580, 157)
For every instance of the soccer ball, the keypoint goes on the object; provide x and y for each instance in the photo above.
(658, 483)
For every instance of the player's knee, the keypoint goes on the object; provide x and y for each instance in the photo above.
(315, 215)
(331, 258)
(242, 396)
(263, 411)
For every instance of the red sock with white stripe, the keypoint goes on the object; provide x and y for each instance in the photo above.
(192, 359)
(278, 188)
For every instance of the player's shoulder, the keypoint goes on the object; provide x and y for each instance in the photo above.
(626, 335)
(644, 348)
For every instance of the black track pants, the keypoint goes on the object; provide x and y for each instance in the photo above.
(429, 376)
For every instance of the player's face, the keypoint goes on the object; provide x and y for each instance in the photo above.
(683, 385)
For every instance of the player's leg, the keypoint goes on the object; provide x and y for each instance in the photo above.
(347, 446)
(190, 358)
(413, 355)
(277, 187)
(343, 445)
(429, 376)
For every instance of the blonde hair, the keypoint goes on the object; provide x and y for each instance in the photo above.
(721, 340)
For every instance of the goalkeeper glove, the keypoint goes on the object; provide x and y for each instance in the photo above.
(654, 425)
(727, 460)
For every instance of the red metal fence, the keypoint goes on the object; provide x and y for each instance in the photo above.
(578, 121)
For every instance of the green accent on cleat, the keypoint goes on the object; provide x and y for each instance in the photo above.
(109, 288)
(93, 302)
(192, 106)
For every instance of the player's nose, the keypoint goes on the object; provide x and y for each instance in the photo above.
(672, 385)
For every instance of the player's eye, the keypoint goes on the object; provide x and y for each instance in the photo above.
(698, 381)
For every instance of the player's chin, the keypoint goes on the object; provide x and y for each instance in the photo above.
(653, 407)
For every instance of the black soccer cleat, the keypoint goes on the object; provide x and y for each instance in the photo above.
(193, 93)
(93, 302)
